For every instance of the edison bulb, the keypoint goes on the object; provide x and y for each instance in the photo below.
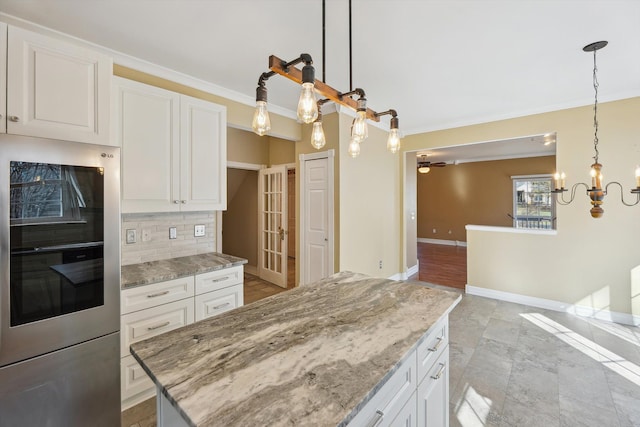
(359, 129)
(393, 142)
(354, 148)
(261, 123)
(307, 105)
(317, 136)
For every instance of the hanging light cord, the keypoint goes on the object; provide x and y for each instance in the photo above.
(595, 107)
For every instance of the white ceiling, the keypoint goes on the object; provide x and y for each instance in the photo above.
(440, 64)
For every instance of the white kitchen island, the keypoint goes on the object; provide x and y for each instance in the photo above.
(347, 350)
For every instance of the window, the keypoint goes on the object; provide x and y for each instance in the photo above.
(533, 205)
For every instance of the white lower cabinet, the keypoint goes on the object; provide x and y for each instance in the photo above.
(417, 394)
(433, 394)
(151, 310)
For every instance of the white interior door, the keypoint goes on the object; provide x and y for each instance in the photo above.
(317, 262)
(272, 259)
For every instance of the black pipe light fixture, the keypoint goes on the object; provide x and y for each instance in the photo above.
(309, 110)
(595, 192)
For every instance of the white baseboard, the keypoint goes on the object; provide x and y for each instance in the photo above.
(251, 269)
(547, 304)
(442, 242)
(404, 276)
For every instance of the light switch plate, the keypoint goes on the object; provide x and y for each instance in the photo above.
(199, 230)
(173, 233)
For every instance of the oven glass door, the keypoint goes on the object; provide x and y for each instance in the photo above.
(56, 215)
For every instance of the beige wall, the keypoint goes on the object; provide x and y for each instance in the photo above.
(240, 220)
(281, 151)
(370, 201)
(247, 147)
(591, 262)
(238, 115)
(451, 197)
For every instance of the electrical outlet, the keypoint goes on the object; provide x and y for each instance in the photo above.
(146, 234)
(380, 264)
(199, 231)
(450, 232)
(434, 231)
(173, 233)
(131, 236)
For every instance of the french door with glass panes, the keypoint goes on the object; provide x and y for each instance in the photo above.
(272, 259)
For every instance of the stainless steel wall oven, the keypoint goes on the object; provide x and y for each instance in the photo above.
(59, 283)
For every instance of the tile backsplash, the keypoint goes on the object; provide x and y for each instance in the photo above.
(152, 235)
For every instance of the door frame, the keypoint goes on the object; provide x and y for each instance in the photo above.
(302, 193)
(233, 165)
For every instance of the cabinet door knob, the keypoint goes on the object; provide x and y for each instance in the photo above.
(184, 202)
(14, 118)
(176, 201)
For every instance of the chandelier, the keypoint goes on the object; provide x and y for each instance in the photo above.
(596, 192)
(310, 110)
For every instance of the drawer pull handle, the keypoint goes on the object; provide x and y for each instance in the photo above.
(220, 279)
(157, 294)
(161, 325)
(439, 373)
(377, 418)
(437, 346)
(217, 307)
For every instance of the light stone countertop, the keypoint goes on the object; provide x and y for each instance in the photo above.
(313, 355)
(174, 268)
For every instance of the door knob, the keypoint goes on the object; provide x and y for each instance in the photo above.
(14, 118)
(281, 232)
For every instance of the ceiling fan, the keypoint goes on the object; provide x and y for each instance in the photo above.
(424, 166)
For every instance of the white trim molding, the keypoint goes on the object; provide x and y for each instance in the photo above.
(442, 242)
(245, 166)
(405, 276)
(511, 230)
(547, 304)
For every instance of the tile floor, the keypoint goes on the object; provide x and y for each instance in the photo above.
(514, 365)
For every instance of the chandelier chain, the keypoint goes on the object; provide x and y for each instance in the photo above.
(595, 107)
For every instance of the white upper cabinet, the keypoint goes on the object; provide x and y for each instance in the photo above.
(3, 77)
(173, 149)
(56, 89)
(203, 161)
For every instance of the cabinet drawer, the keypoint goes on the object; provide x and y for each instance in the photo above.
(154, 321)
(385, 405)
(433, 393)
(430, 349)
(218, 279)
(133, 379)
(217, 302)
(147, 296)
(408, 415)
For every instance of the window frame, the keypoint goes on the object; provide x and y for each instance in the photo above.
(514, 199)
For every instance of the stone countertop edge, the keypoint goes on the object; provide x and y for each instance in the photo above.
(390, 373)
(174, 268)
(157, 353)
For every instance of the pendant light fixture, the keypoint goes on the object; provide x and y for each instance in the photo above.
(596, 192)
(310, 111)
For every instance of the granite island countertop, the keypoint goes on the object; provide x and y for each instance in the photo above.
(313, 355)
(174, 268)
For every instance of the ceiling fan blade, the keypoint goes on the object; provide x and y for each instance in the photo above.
(439, 164)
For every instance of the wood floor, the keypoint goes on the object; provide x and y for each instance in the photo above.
(442, 265)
